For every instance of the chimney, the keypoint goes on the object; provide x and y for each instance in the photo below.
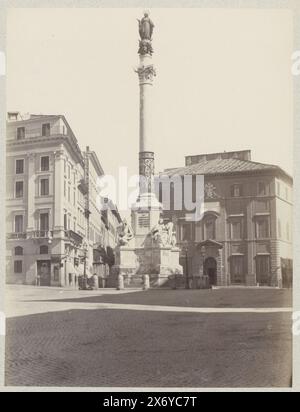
(13, 116)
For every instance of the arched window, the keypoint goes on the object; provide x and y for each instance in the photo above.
(43, 250)
(209, 227)
(18, 251)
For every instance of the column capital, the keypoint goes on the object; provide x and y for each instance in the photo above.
(59, 154)
(146, 74)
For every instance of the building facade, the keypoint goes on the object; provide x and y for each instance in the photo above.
(53, 224)
(244, 236)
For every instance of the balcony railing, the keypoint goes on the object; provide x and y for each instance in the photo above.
(73, 236)
(18, 235)
(37, 234)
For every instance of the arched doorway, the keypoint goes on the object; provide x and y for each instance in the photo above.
(210, 269)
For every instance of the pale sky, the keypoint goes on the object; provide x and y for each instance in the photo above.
(223, 80)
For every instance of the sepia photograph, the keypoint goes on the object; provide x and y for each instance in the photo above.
(148, 197)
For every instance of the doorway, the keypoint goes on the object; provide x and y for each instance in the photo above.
(43, 272)
(210, 269)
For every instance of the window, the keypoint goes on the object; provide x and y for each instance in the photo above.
(262, 228)
(69, 172)
(45, 163)
(262, 269)
(20, 133)
(74, 225)
(237, 269)
(65, 222)
(187, 232)
(18, 223)
(65, 188)
(19, 166)
(74, 201)
(18, 251)
(46, 129)
(236, 229)
(19, 189)
(18, 266)
(69, 193)
(209, 228)
(287, 231)
(287, 193)
(44, 221)
(44, 187)
(262, 189)
(44, 250)
(236, 190)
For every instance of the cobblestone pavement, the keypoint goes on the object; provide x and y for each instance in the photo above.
(217, 298)
(107, 347)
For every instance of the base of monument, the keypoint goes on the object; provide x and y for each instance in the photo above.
(124, 277)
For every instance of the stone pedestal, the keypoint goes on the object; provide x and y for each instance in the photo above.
(159, 263)
(145, 214)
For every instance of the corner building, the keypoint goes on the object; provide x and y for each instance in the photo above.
(49, 221)
(245, 234)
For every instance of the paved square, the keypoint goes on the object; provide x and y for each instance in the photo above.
(78, 338)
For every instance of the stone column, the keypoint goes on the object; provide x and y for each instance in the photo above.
(146, 73)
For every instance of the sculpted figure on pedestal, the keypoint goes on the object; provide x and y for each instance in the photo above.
(145, 30)
(163, 234)
(125, 233)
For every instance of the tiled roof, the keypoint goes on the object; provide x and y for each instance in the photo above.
(221, 166)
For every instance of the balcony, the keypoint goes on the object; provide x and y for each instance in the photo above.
(13, 235)
(42, 234)
(73, 237)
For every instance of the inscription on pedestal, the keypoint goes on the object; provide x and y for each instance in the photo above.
(144, 220)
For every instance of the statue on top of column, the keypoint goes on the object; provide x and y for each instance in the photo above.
(145, 30)
(146, 27)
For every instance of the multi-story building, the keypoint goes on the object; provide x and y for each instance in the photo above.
(244, 236)
(52, 223)
(102, 221)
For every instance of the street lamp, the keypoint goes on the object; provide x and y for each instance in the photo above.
(49, 236)
(185, 249)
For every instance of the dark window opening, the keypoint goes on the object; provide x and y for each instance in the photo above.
(20, 133)
(46, 129)
(18, 266)
(19, 189)
(45, 163)
(19, 166)
(18, 251)
(44, 187)
(44, 250)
